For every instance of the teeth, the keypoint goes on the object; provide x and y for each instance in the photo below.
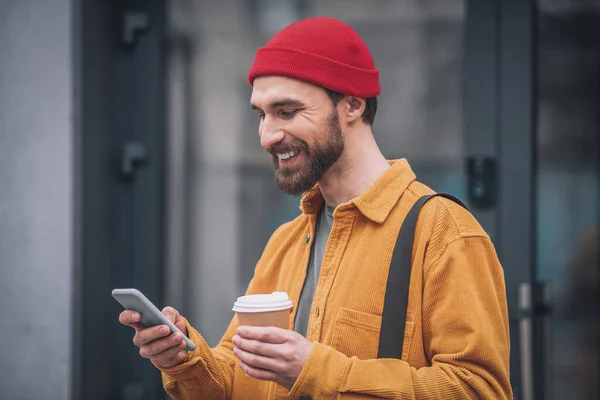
(285, 156)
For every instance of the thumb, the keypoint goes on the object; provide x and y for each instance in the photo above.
(175, 318)
(171, 313)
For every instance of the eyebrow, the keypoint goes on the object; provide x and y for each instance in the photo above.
(282, 103)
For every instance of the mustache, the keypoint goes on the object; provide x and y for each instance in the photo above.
(287, 147)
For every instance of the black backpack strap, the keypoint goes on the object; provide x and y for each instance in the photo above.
(393, 320)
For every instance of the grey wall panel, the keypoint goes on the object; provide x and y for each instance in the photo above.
(96, 55)
(35, 199)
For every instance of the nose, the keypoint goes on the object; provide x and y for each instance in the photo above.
(269, 133)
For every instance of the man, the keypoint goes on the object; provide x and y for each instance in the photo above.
(314, 89)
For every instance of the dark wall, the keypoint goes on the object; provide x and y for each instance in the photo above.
(120, 97)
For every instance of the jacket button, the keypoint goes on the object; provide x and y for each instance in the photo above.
(307, 239)
(305, 398)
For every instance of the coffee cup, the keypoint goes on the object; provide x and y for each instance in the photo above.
(264, 310)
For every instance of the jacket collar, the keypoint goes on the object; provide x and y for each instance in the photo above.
(377, 201)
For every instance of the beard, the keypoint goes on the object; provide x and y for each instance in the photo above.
(327, 150)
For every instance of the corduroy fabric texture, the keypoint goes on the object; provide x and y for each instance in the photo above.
(323, 51)
(456, 338)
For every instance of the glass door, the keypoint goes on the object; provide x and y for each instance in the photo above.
(224, 204)
(568, 199)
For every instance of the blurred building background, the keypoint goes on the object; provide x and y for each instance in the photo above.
(129, 157)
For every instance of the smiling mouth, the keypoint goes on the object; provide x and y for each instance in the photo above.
(286, 156)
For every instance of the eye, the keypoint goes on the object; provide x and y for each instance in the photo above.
(261, 116)
(287, 114)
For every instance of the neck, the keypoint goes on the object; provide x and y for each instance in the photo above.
(359, 166)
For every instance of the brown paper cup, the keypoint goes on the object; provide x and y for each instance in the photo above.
(264, 310)
(280, 319)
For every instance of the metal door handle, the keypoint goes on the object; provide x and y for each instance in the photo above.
(133, 24)
(526, 339)
(133, 153)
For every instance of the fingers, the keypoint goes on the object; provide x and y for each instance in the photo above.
(258, 361)
(170, 313)
(260, 348)
(157, 343)
(258, 373)
(148, 335)
(271, 353)
(171, 357)
(164, 351)
(175, 317)
(130, 318)
(159, 346)
(264, 334)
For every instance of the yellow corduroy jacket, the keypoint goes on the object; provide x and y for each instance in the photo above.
(456, 339)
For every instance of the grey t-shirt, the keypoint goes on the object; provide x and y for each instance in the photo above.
(322, 231)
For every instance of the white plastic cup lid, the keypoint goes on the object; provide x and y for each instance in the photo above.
(255, 303)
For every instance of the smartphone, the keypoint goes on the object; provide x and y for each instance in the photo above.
(133, 299)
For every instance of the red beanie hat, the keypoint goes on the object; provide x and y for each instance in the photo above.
(323, 51)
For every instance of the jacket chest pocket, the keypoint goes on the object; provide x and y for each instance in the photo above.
(356, 334)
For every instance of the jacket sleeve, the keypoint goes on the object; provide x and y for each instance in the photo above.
(206, 373)
(465, 337)
(209, 373)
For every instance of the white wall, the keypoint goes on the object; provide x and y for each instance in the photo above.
(36, 167)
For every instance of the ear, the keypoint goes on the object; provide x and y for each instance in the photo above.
(354, 108)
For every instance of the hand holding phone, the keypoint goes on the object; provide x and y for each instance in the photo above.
(151, 316)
